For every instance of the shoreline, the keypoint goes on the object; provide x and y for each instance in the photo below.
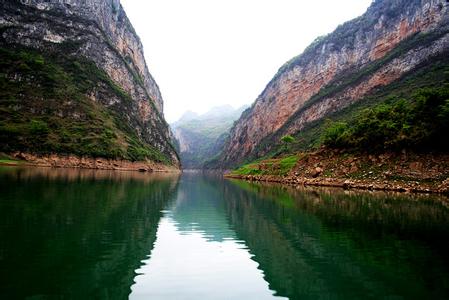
(73, 161)
(357, 184)
(401, 171)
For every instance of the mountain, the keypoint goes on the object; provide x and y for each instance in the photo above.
(74, 82)
(201, 137)
(394, 49)
(223, 110)
(187, 116)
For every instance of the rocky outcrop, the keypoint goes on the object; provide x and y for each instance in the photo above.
(100, 32)
(106, 30)
(73, 161)
(389, 40)
(402, 172)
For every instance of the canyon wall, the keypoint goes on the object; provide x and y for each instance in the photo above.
(99, 32)
(105, 19)
(371, 51)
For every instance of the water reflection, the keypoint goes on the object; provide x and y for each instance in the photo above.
(330, 244)
(196, 254)
(76, 234)
(82, 234)
(200, 206)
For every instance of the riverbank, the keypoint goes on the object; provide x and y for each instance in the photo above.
(402, 172)
(72, 161)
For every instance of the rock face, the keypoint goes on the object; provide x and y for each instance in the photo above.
(71, 161)
(100, 32)
(389, 40)
(103, 22)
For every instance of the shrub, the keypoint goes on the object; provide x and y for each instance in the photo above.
(336, 134)
(29, 108)
(38, 127)
(287, 139)
(421, 122)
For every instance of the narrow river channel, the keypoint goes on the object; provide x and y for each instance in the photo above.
(85, 234)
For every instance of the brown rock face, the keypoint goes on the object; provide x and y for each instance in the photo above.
(72, 161)
(104, 18)
(99, 31)
(292, 99)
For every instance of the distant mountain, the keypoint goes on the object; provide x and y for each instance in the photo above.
(187, 116)
(201, 137)
(220, 111)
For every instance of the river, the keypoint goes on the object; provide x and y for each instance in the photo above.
(89, 234)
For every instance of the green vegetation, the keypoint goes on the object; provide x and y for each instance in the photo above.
(433, 75)
(10, 162)
(421, 122)
(287, 163)
(281, 166)
(433, 72)
(45, 108)
(412, 113)
(287, 140)
(126, 205)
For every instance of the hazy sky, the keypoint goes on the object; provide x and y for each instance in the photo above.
(204, 53)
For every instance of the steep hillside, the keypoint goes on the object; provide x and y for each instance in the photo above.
(74, 81)
(201, 137)
(345, 69)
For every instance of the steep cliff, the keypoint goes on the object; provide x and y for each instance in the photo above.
(74, 81)
(391, 40)
(201, 137)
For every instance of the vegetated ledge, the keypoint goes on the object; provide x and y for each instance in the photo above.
(83, 162)
(401, 172)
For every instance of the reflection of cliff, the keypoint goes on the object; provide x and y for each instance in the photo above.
(77, 174)
(200, 206)
(318, 244)
(76, 238)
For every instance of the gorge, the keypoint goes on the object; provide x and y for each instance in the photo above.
(201, 137)
(332, 184)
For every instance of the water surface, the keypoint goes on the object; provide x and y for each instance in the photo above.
(83, 234)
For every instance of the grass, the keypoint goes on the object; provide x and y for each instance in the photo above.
(287, 163)
(281, 167)
(10, 162)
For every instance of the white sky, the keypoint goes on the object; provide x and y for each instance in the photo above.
(204, 53)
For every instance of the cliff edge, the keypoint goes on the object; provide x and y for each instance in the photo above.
(74, 81)
(392, 40)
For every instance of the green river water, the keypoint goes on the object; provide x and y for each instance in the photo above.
(85, 234)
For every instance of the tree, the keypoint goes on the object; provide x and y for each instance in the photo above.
(287, 140)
